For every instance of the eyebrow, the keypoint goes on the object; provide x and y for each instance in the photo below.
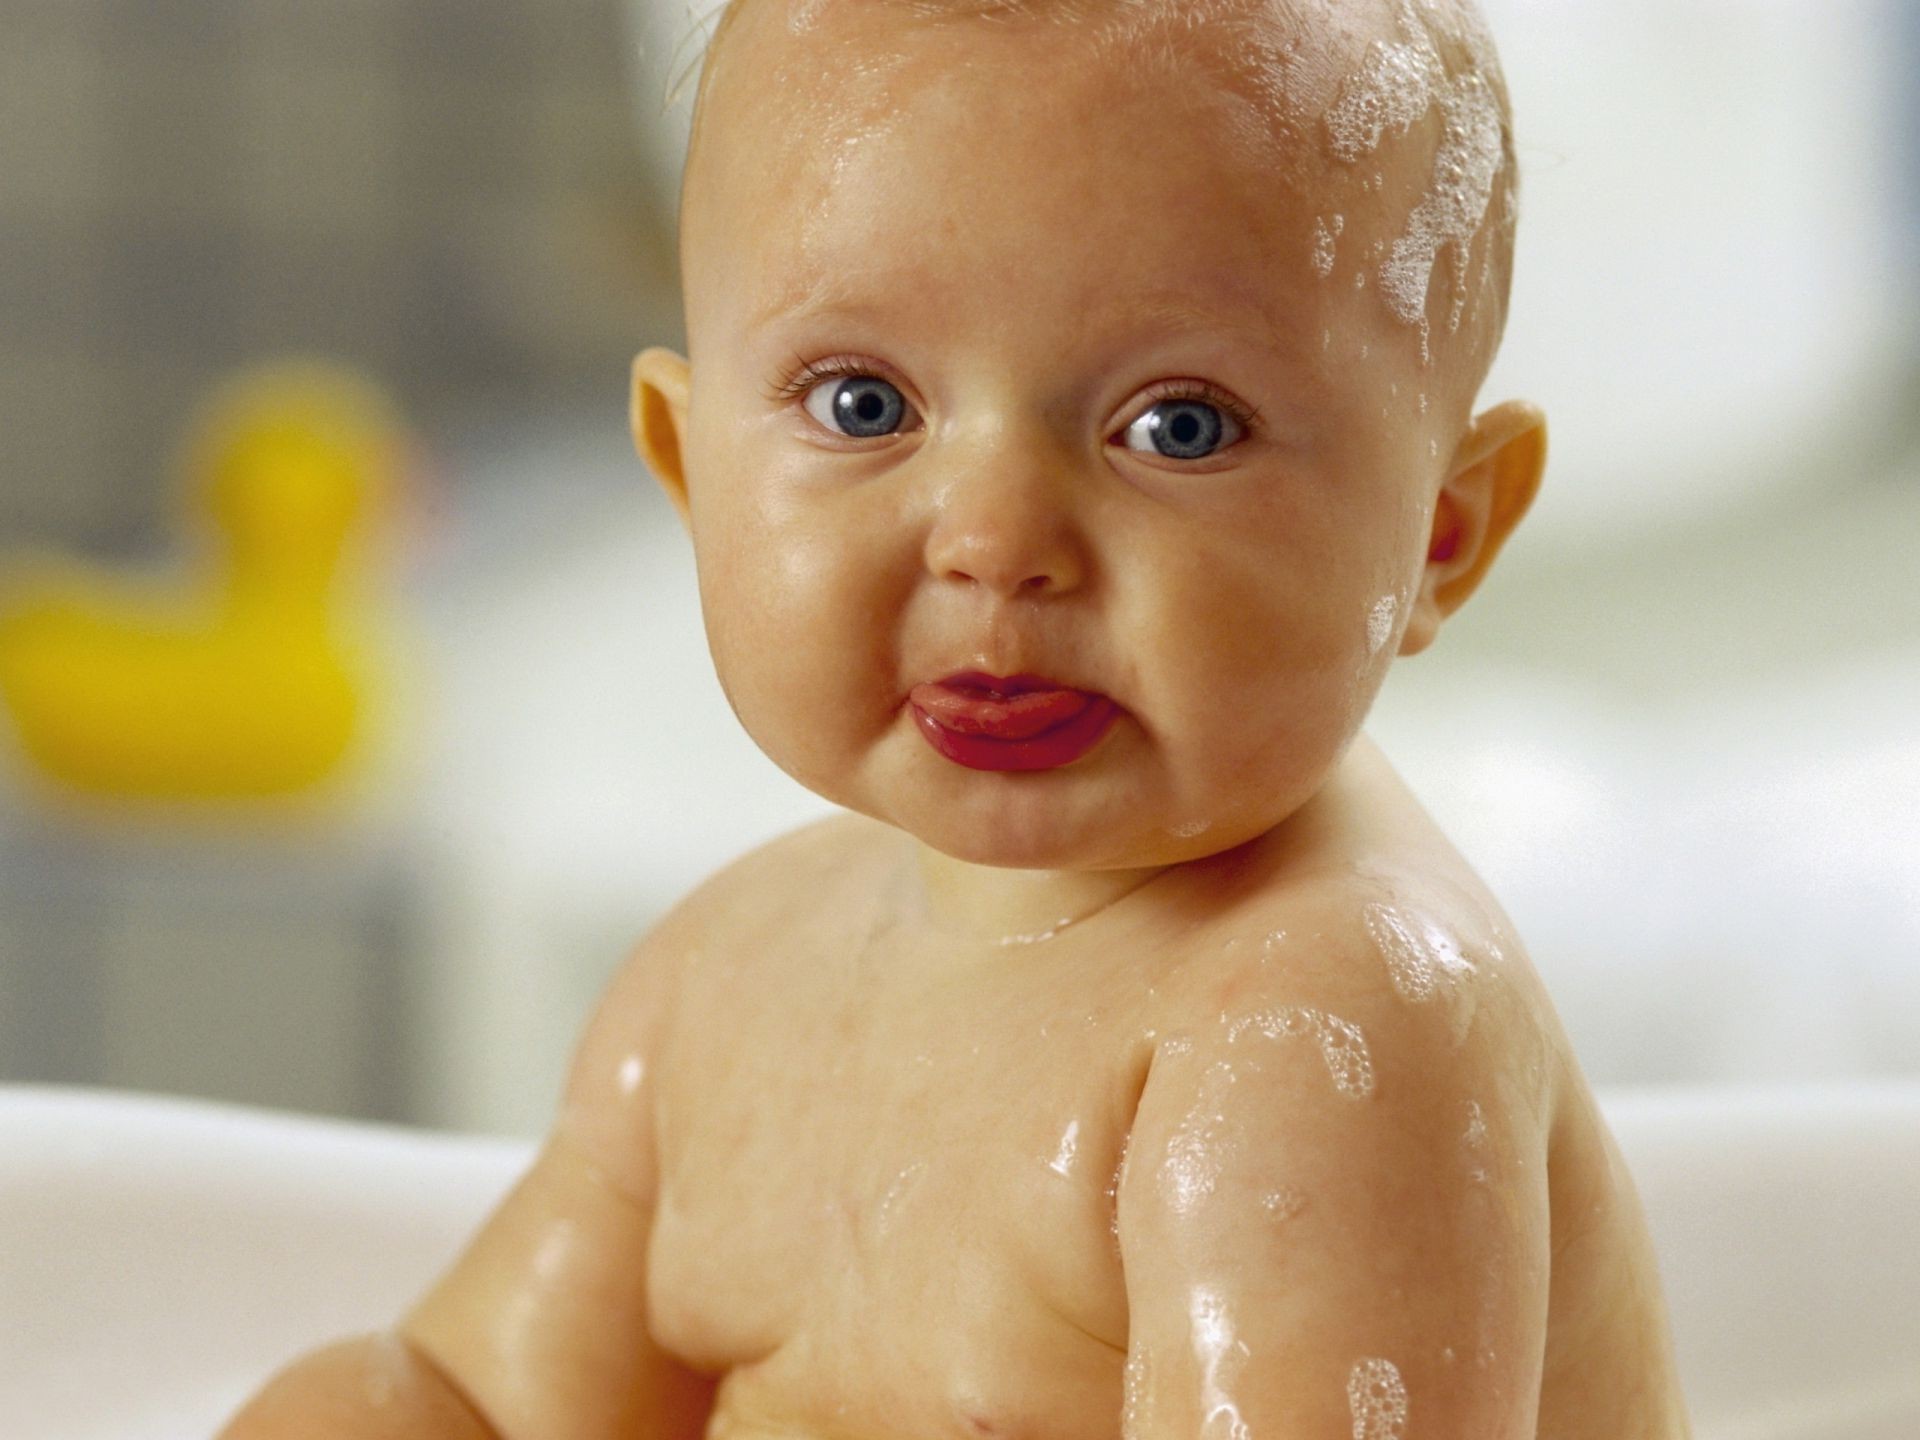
(1246, 321)
(794, 303)
(1170, 312)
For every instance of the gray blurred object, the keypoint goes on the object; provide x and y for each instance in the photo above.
(443, 192)
(1905, 57)
(668, 40)
(253, 965)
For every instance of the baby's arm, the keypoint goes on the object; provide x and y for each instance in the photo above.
(539, 1330)
(1309, 1246)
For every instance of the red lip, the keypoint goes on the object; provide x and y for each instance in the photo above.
(1016, 722)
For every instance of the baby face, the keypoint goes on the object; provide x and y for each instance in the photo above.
(1015, 359)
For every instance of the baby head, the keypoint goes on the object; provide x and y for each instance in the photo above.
(1124, 351)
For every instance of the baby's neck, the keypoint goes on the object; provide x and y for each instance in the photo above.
(991, 905)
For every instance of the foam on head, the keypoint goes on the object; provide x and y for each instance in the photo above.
(1401, 83)
(1335, 92)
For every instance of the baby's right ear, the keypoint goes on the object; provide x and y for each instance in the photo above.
(662, 381)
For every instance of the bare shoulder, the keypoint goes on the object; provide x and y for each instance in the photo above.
(1393, 987)
(607, 1107)
(1406, 987)
(1414, 949)
(1342, 1143)
(764, 886)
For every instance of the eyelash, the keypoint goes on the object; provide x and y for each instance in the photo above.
(810, 373)
(1161, 391)
(806, 374)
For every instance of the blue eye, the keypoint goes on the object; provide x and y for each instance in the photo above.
(1183, 430)
(861, 406)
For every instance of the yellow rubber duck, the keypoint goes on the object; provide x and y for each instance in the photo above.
(249, 679)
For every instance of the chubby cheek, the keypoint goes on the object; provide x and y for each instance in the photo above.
(801, 639)
(1264, 672)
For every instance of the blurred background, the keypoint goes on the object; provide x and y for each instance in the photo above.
(1677, 730)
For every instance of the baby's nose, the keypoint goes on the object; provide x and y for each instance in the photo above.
(1012, 533)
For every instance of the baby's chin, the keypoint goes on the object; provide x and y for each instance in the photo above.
(1040, 821)
(1118, 807)
(1073, 818)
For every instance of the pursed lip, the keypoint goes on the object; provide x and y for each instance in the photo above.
(1010, 722)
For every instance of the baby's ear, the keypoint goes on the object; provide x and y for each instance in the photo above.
(1494, 476)
(661, 384)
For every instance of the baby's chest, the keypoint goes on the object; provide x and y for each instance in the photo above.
(929, 1212)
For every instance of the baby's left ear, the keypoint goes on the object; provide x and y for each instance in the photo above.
(1495, 475)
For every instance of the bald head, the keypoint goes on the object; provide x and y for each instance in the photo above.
(1388, 118)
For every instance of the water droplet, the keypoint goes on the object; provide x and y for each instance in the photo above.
(1283, 1204)
(1062, 1162)
(1476, 1131)
(632, 1069)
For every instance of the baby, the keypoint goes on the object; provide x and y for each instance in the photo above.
(1079, 421)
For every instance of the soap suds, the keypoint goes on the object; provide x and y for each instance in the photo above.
(1377, 1400)
(1199, 1146)
(1342, 1047)
(1424, 963)
(1398, 84)
(1380, 622)
(1325, 235)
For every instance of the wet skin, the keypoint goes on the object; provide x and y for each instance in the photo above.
(836, 1159)
(884, 1193)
